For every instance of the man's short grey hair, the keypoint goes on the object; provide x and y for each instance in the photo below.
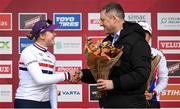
(114, 7)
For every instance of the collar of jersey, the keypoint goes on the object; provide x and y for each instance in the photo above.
(40, 47)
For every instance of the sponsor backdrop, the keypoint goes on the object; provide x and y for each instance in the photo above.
(79, 19)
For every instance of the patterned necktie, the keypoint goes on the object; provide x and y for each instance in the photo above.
(115, 38)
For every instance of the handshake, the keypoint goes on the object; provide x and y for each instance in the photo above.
(75, 76)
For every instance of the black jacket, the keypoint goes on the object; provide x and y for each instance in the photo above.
(131, 72)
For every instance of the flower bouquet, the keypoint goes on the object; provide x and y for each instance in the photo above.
(100, 57)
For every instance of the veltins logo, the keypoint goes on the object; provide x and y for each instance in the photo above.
(23, 43)
(169, 44)
(5, 69)
(68, 45)
(65, 66)
(171, 93)
(94, 21)
(168, 21)
(92, 93)
(68, 21)
(5, 21)
(5, 93)
(5, 45)
(173, 68)
(69, 92)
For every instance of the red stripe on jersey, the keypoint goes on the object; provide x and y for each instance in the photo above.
(42, 65)
(40, 46)
(21, 63)
(46, 65)
(65, 76)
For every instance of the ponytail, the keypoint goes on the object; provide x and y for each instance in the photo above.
(30, 36)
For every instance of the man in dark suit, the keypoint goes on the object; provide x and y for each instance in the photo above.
(126, 83)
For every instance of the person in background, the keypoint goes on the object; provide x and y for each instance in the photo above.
(126, 84)
(160, 77)
(37, 85)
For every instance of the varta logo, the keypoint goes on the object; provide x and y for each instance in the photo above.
(69, 93)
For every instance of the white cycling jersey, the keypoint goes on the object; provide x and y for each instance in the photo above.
(37, 81)
(160, 81)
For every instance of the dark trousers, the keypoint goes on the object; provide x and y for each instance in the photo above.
(154, 104)
(123, 101)
(21, 103)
